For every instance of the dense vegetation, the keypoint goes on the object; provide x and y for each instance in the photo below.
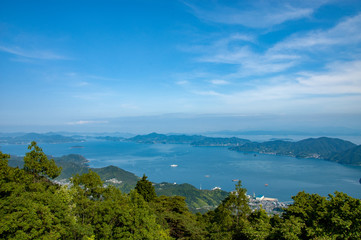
(197, 200)
(33, 207)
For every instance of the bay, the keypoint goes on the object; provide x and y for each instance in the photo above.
(207, 167)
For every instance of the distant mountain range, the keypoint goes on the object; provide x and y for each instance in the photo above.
(39, 138)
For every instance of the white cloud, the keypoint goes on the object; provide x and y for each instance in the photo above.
(341, 78)
(336, 89)
(342, 81)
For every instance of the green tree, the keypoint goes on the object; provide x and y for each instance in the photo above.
(37, 163)
(230, 217)
(4, 160)
(146, 189)
(90, 184)
(312, 216)
(343, 216)
(173, 214)
(33, 209)
(257, 227)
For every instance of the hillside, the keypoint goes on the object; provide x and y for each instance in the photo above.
(322, 148)
(350, 156)
(197, 200)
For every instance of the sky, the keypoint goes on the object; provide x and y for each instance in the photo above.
(180, 65)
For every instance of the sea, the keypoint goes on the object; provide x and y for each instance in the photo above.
(273, 176)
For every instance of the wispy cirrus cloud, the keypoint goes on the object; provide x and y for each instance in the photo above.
(254, 14)
(345, 32)
(298, 48)
(39, 54)
(249, 61)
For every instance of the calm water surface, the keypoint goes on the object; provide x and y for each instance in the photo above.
(208, 167)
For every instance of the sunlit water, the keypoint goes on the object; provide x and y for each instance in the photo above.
(208, 167)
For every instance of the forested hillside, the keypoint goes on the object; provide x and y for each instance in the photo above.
(350, 156)
(323, 148)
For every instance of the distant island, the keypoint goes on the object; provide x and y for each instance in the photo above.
(194, 140)
(331, 149)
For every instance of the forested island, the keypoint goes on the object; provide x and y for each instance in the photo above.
(332, 149)
(34, 206)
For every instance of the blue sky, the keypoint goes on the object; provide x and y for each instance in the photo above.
(186, 66)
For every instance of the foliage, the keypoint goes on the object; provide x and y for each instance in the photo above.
(230, 217)
(314, 217)
(145, 189)
(89, 184)
(37, 163)
(31, 207)
(173, 213)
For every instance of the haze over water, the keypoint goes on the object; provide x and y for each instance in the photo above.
(208, 167)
